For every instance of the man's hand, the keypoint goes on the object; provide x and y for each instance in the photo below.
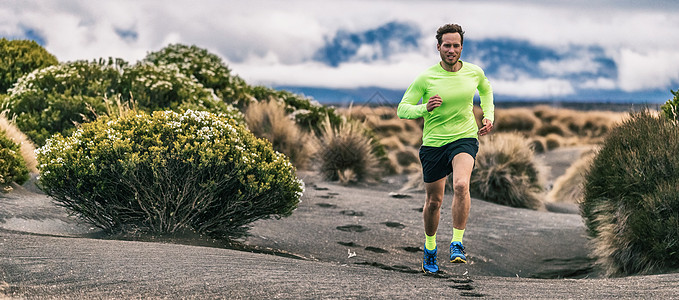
(487, 127)
(434, 102)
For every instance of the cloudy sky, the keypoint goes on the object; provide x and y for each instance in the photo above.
(609, 50)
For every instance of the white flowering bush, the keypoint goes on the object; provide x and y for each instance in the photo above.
(164, 87)
(56, 98)
(168, 172)
(12, 165)
(207, 68)
(20, 57)
(53, 99)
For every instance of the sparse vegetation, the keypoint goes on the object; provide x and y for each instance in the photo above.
(168, 173)
(506, 172)
(631, 201)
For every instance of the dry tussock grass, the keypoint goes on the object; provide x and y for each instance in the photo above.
(506, 172)
(516, 119)
(27, 147)
(588, 126)
(569, 187)
(269, 120)
(346, 154)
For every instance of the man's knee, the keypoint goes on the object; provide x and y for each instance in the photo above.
(461, 186)
(434, 202)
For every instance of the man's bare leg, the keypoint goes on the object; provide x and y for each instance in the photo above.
(463, 164)
(432, 205)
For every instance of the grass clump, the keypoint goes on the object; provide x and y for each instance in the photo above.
(26, 147)
(516, 119)
(631, 201)
(506, 172)
(569, 187)
(168, 173)
(346, 153)
(269, 120)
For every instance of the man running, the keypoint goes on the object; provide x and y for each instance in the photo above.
(449, 140)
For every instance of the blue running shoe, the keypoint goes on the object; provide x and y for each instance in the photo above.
(429, 264)
(457, 253)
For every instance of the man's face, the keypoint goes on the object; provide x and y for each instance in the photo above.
(450, 48)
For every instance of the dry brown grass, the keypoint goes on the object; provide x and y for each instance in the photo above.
(269, 120)
(346, 153)
(553, 141)
(506, 172)
(569, 187)
(516, 119)
(27, 147)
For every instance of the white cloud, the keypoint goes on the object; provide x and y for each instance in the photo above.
(394, 75)
(600, 83)
(268, 41)
(576, 65)
(647, 70)
(532, 87)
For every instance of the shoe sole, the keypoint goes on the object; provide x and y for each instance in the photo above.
(458, 260)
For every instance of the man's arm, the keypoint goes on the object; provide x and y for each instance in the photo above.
(486, 95)
(408, 107)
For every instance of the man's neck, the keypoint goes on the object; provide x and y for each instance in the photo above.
(451, 68)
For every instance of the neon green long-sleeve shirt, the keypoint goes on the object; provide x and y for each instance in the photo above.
(454, 119)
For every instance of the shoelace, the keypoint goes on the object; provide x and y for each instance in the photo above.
(430, 258)
(457, 250)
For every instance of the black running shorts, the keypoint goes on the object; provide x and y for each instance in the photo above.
(437, 161)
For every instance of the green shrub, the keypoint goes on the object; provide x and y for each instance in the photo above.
(207, 68)
(671, 107)
(506, 172)
(164, 87)
(54, 99)
(631, 197)
(345, 153)
(20, 57)
(12, 164)
(168, 173)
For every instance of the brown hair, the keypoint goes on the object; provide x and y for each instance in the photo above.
(449, 28)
